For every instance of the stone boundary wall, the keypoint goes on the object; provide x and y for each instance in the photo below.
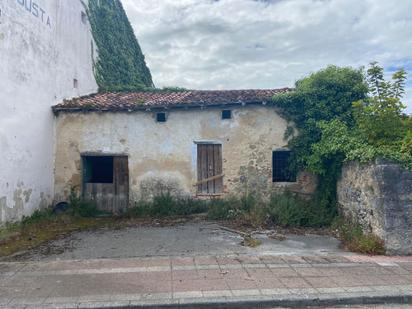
(379, 197)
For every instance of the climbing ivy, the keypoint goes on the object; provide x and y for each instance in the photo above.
(121, 64)
(323, 96)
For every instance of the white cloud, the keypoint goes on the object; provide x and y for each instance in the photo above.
(227, 44)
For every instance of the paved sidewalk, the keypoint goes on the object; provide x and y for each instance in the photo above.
(233, 281)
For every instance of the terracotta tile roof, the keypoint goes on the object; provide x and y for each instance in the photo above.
(130, 101)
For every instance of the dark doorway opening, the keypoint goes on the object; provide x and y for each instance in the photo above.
(98, 169)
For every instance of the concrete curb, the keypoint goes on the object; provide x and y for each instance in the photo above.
(291, 301)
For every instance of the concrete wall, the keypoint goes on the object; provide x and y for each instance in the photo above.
(167, 151)
(379, 197)
(43, 48)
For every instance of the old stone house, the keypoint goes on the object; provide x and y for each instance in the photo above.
(118, 147)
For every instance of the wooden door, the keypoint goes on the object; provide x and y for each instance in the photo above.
(121, 183)
(106, 182)
(209, 169)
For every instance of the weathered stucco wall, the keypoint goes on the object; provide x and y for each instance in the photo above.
(167, 151)
(379, 197)
(44, 46)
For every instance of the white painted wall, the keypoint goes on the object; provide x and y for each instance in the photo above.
(42, 49)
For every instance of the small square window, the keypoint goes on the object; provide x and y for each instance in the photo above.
(161, 117)
(75, 83)
(226, 114)
(280, 165)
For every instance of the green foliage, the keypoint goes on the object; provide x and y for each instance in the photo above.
(82, 208)
(323, 96)
(380, 130)
(167, 205)
(121, 64)
(355, 240)
(224, 209)
(289, 210)
(286, 210)
(38, 216)
(174, 89)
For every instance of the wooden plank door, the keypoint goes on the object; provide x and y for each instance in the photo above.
(209, 169)
(121, 183)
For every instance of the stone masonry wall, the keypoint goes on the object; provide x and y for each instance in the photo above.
(379, 197)
(163, 155)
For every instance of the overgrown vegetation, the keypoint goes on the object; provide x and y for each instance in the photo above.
(323, 96)
(380, 130)
(167, 205)
(354, 239)
(281, 210)
(345, 114)
(121, 64)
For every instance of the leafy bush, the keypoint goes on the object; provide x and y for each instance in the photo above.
(355, 240)
(380, 130)
(165, 204)
(290, 210)
(224, 209)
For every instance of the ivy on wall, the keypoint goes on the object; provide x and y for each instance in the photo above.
(121, 64)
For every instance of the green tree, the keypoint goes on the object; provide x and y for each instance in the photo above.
(380, 116)
(381, 129)
(121, 64)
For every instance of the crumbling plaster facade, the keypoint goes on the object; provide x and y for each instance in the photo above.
(44, 46)
(167, 151)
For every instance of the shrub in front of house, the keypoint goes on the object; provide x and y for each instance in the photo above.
(166, 204)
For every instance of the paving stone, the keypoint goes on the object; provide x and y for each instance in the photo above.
(199, 279)
(316, 260)
(270, 259)
(249, 292)
(321, 282)
(191, 294)
(185, 274)
(183, 261)
(294, 259)
(205, 260)
(284, 272)
(227, 261)
(308, 271)
(294, 282)
(210, 274)
(259, 272)
(220, 293)
(269, 283)
(281, 291)
(199, 285)
(234, 273)
(241, 284)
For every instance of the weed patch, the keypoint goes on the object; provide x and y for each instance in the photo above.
(355, 240)
(167, 205)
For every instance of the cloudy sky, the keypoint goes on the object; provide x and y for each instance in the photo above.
(232, 44)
